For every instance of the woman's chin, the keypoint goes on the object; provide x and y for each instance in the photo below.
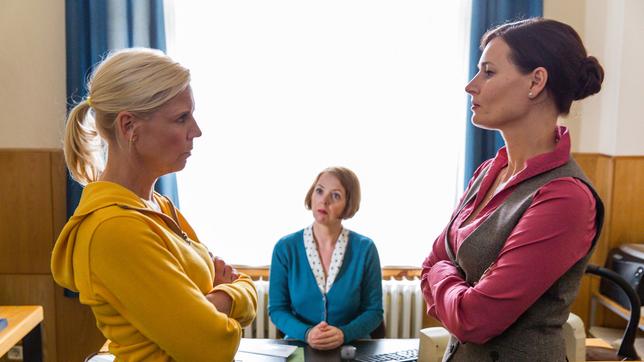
(178, 166)
(478, 122)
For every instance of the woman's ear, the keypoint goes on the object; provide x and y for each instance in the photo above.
(538, 79)
(124, 125)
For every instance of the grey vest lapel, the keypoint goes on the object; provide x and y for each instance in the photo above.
(471, 194)
(536, 335)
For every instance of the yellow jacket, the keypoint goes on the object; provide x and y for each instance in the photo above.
(145, 276)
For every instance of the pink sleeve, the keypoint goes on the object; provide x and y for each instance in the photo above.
(438, 252)
(551, 236)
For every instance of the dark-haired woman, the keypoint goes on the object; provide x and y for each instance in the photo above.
(502, 275)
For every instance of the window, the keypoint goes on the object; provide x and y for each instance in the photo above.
(285, 88)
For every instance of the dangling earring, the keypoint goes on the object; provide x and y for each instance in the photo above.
(130, 142)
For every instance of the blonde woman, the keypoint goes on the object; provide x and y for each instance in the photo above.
(155, 290)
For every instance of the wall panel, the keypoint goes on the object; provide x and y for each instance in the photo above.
(25, 211)
(619, 180)
(32, 213)
(627, 223)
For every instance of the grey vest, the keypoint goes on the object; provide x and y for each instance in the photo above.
(537, 333)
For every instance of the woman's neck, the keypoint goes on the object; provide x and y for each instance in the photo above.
(327, 235)
(527, 139)
(135, 181)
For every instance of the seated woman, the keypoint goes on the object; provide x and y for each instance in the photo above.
(155, 290)
(325, 280)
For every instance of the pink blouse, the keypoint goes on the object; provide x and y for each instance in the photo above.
(555, 232)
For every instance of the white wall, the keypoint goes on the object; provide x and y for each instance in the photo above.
(32, 73)
(629, 138)
(612, 30)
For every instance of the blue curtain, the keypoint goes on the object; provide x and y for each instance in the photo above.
(481, 144)
(95, 27)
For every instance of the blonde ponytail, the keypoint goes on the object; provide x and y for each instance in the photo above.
(82, 144)
(137, 80)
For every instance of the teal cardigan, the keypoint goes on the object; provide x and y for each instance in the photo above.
(353, 304)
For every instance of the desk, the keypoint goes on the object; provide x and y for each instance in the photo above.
(363, 347)
(368, 347)
(24, 323)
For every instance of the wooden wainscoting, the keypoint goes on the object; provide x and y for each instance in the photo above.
(32, 213)
(619, 180)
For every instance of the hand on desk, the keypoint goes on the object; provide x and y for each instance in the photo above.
(324, 336)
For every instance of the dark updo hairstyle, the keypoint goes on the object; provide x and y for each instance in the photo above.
(539, 42)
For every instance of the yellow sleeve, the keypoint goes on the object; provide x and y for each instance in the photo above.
(242, 291)
(131, 269)
(244, 295)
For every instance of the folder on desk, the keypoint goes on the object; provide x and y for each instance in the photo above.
(269, 349)
(266, 351)
(3, 323)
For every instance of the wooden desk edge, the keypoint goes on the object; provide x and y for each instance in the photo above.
(22, 319)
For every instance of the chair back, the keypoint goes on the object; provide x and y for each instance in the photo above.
(100, 357)
(627, 347)
(432, 345)
(103, 354)
(575, 337)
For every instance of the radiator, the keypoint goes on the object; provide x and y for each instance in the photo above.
(262, 327)
(404, 307)
(402, 301)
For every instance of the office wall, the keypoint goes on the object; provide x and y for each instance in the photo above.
(609, 123)
(32, 73)
(32, 63)
(607, 129)
(32, 201)
(32, 213)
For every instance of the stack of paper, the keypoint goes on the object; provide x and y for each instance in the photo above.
(269, 352)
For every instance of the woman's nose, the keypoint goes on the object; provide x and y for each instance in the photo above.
(471, 87)
(196, 131)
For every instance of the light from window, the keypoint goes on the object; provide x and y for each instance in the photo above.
(285, 88)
